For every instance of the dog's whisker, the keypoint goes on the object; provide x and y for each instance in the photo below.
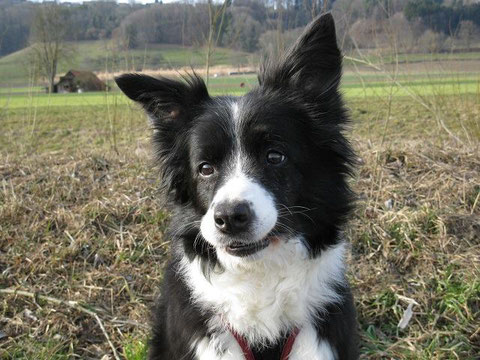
(287, 228)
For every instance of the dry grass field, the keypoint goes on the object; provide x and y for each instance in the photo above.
(81, 229)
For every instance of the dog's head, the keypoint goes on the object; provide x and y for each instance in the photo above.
(249, 173)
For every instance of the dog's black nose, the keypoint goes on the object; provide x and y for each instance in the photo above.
(232, 218)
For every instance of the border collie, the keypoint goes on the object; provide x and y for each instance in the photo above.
(257, 188)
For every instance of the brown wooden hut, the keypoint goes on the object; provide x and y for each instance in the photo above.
(79, 81)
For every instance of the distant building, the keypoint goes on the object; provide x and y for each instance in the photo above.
(79, 81)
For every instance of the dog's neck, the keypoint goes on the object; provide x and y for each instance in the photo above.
(263, 299)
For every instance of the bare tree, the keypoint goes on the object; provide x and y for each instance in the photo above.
(48, 33)
(468, 32)
(2, 35)
(280, 46)
(214, 14)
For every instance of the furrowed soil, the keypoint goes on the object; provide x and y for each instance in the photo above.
(82, 246)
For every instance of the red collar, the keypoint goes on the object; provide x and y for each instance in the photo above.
(247, 352)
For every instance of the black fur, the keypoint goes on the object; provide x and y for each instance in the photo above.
(297, 107)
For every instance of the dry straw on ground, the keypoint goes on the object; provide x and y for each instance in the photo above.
(88, 229)
(82, 247)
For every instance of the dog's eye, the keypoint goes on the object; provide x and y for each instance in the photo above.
(205, 169)
(275, 157)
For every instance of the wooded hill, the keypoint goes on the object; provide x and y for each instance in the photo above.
(254, 25)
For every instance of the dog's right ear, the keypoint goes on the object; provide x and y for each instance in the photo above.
(171, 105)
(165, 99)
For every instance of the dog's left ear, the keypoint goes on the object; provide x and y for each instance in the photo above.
(313, 63)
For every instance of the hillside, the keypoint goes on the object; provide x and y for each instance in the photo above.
(17, 68)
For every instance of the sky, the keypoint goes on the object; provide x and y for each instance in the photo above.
(119, 1)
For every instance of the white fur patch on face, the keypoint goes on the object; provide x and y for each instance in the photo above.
(235, 111)
(265, 297)
(240, 188)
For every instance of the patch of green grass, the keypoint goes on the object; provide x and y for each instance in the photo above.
(135, 350)
(60, 100)
(428, 221)
(18, 90)
(473, 196)
(384, 301)
(457, 297)
(375, 343)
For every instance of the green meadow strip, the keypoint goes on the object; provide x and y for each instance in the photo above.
(240, 85)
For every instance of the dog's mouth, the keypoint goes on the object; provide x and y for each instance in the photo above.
(241, 249)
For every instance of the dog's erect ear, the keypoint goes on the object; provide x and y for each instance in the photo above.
(164, 99)
(313, 63)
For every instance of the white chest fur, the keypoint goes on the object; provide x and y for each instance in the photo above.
(225, 347)
(263, 298)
